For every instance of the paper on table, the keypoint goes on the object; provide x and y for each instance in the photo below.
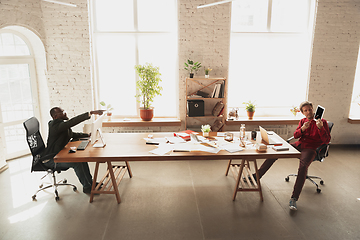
(182, 147)
(175, 140)
(231, 147)
(221, 134)
(162, 149)
(156, 140)
(203, 148)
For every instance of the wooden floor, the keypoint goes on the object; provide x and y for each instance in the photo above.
(187, 200)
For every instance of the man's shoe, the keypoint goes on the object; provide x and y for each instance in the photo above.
(249, 179)
(88, 189)
(292, 204)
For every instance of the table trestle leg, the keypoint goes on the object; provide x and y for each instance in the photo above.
(110, 180)
(245, 182)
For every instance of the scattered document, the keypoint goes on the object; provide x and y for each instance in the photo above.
(231, 147)
(162, 149)
(156, 141)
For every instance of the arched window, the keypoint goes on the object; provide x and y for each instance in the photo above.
(18, 90)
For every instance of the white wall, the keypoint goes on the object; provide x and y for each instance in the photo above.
(333, 64)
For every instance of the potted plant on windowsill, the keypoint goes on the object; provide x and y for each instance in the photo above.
(108, 109)
(192, 67)
(148, 87)
(250, 108)
(207, 71)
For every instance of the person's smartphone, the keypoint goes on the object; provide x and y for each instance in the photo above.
(319, 112)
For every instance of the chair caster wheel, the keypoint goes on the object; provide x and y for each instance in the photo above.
(318, 190)
(322, 182)
(65, 181)
(41, 185)
(74, 189)
(287, 179)
(34, 197)
(57, 198)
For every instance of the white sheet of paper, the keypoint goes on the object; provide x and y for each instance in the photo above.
(182, 147)
(175, 140)
(203, 148)
(231, 147)
(156, 140)
(162, 149)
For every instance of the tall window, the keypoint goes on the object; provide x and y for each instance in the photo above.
(355, 103)
(131, 32)
(270, 50)
(18, 92)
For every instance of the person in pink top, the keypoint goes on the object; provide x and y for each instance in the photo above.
(311, 134)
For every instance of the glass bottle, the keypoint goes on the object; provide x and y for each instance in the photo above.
(242, 132)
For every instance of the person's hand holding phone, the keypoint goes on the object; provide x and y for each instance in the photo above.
(319, 123)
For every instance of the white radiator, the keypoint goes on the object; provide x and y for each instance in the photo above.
(135, 131)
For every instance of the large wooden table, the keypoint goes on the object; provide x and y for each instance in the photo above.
(127, 147)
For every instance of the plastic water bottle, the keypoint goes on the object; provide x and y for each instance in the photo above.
(242, 132)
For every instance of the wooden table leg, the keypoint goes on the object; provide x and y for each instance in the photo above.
(113, 180)
(94, 181)
(238, 178)
(228, 167)
(258, 180)
(128, 168)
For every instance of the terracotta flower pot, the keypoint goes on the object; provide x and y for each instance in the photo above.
(250, 115)
(109, 114)
(146, 114)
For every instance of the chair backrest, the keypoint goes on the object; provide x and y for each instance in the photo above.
(323, 151)
(35, 142)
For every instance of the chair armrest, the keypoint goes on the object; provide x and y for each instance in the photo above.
(321, 152)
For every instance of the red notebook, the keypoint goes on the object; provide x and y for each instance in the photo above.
(184, 134)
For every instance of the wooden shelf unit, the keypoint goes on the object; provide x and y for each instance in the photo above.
(193, 85)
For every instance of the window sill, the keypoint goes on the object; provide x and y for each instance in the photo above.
(265, 121)
(354, 120)
(137, 122)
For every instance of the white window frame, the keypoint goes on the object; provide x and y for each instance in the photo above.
(272, 111)
(29, 59)
(136, 33)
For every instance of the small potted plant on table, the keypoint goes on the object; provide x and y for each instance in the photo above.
(250, 108)
(148, 86)
(205, 130)
(192, 67)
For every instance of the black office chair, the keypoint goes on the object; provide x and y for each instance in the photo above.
(321, 153)
(37, 147)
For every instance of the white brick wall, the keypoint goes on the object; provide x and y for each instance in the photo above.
(68, 56)
(335, 51)
(204, 36)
